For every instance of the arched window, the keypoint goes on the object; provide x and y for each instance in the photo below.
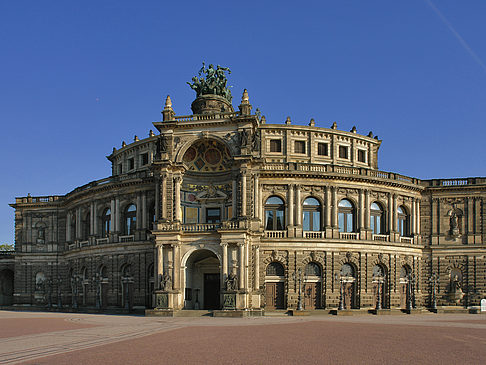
(275, 269)
(130, 219)
(378, 272)
(347, 270)
(346, 216)
(312, 269)
(274, 214)
(312, 215)
(86, 225)
(376, 219)
(106, 223)
(73, 226)
(403, 222)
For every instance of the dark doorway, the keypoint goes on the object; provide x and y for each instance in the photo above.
(274, 295)
(211, 291)
(312, 295)
(6, 287)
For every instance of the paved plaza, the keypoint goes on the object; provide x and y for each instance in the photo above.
(65, 338)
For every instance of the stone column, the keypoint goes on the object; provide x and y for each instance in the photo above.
(390, 213)
(160, 264)
(257, 267)
(144, 211)
(117, 215)
(477, 217)
(157, 199)
(417, 207)
(298, 206)
(112, 216)
(434, 212)
(177, 198)
(470, 217)
(225, 260)
(328, 207)
(68, 227)
(256, 197)
(241, 253)
(334, 208)
(95, 218)
(367, 209)
(291, 209)
(395, 214)
(243, 193)
(138, 213)
(413, 220)
(177, 266)
(91, 218)
(78, 223)
(361, 209)
(234, 194)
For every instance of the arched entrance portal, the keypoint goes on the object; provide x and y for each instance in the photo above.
(202, 281)
(6, 287)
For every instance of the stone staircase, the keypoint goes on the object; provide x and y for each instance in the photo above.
(193, 313)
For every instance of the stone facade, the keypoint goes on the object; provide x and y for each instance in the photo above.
(221, 210)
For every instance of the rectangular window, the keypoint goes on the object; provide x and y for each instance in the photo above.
(361, 156)
(275, 145)
(343, 152)
(144, 158)
(131, 163)
(299, 147)
(322, 149)
(213, 215)
(120, 168)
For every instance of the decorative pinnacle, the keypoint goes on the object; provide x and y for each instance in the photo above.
(312, 122)
(245, 98)
(334, 125)
(136, 139)
(263, 120)
(151, 133)
(353, 129)
(370, 134)
(168, 103)
(287, 121)
(124, 144)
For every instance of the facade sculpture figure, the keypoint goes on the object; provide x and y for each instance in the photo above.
(231, 282)
(213, 81)
(456, 286)
(165, 282)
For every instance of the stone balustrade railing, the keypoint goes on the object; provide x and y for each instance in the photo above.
(200, 227)
(348, 235)
(275, 234)
(335, 169)
(196, 117)
(381, 237)
(313, 234)
(454, 182)
(127, 238)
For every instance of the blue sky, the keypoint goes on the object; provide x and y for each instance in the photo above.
(78, 78)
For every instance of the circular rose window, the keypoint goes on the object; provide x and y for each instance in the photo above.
(212, 156)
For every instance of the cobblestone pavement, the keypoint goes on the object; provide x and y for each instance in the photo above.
(63, 338)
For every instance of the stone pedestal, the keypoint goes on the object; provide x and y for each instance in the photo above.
(229, 301)
(298, 313)
(163, 300)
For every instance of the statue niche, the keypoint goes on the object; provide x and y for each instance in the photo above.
(455, 221)
(455, 293)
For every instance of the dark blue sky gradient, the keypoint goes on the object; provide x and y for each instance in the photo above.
(77, 78)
